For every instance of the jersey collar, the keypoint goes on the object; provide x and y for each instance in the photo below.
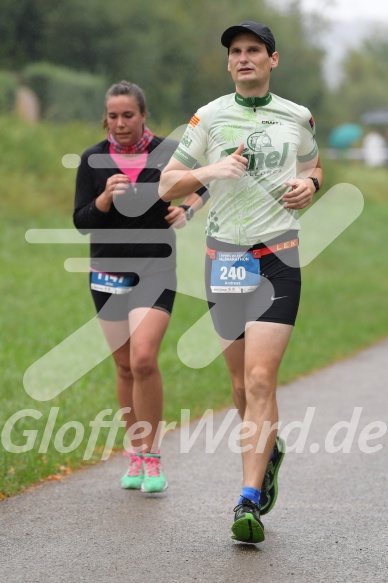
(253, 101)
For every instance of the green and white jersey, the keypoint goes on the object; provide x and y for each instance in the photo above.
(277, 134)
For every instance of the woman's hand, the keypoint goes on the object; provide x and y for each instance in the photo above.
(176, 217)
(116, 185)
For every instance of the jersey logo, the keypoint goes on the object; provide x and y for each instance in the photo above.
(259, 141)
(261, 155)
(194, 120)
(186, 140)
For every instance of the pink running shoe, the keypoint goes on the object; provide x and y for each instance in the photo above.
(133, 479)
(154, 479)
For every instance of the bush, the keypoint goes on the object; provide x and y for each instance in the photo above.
(8, 89)
(66, 95)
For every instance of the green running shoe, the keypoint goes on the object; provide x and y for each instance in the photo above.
(154, 478)
(269, 489)
(247, 526)
(134, 477)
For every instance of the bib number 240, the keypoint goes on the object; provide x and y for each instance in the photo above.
(234, 272)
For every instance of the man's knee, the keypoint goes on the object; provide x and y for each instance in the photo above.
(260, 383)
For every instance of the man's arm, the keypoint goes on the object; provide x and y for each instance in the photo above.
(177, 180)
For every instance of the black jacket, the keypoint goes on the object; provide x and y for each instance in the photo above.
(140, 209)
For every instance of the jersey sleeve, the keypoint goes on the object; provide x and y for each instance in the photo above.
(194, 142)
(308, 148)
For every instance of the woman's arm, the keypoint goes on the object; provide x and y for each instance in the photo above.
(92, 204)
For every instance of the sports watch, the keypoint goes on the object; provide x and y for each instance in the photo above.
(189, 211)
(316, 183)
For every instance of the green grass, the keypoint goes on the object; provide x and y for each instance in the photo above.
(342, 307)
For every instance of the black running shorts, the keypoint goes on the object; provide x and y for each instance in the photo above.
(156, 290)
(275, 300)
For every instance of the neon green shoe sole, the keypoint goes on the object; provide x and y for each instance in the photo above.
(248, 530)
(247, 526)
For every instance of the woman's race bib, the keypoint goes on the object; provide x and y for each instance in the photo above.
(111, 284)
(234, 272)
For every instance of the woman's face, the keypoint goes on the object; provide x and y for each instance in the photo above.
(125, 120)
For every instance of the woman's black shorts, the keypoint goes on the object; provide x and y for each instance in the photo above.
(275, 300)
(156, 290)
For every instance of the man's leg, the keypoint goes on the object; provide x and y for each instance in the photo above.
(265, 344)
(234, 354)
(253, 365)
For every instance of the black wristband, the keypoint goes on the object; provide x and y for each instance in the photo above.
(316, 183)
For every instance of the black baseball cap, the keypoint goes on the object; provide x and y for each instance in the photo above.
(260, 30)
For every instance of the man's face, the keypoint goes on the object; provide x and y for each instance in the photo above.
(249, 63)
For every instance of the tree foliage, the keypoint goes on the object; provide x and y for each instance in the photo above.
(65, 95)
(172, 50)
(365, 77)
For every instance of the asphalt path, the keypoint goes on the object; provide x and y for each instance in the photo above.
(329, 523)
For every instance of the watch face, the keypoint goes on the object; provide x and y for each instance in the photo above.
(189, 214)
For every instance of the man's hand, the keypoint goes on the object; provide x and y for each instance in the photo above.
(231, 167)
(300, 195)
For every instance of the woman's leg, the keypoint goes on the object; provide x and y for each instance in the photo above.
(117, 336)
(147, 327)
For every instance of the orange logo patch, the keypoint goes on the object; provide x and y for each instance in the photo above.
(194, 120)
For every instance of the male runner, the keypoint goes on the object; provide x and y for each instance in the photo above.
(263, 165)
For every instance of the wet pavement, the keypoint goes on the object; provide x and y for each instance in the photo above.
(329, 523)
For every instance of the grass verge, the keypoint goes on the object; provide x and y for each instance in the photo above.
(341, 312)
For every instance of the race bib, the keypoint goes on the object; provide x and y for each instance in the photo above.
(111, 284)
(234, 272)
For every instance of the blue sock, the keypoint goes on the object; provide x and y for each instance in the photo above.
(250, 493)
